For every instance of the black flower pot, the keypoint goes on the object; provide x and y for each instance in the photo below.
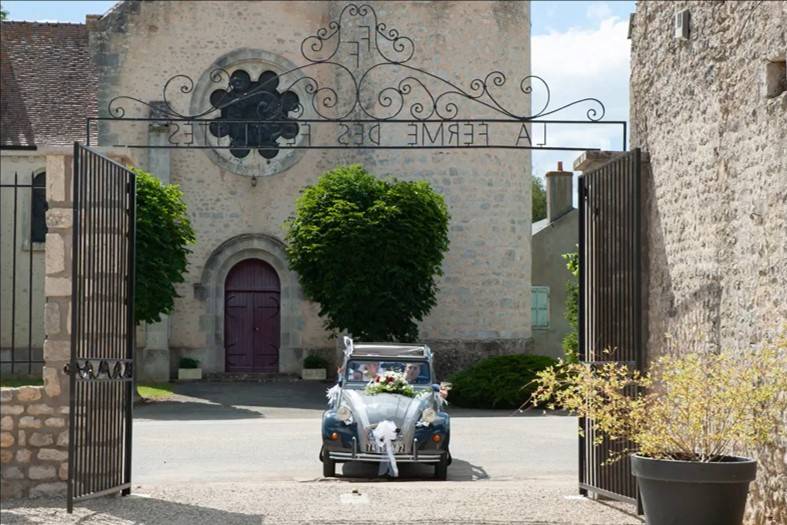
(693, 493)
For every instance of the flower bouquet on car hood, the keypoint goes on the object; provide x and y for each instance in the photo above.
(683, 422)
(390, 383)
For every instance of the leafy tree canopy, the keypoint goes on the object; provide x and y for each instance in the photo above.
(539, 197)
(368, 251)
(163, 235)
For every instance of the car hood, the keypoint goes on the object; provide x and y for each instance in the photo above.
(368, 410)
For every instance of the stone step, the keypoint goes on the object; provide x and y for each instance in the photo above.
(251, 377)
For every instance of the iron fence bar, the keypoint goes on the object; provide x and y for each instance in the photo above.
(75, 313)
(361, 147)
(357, 121)
(102, 320)
(117, 312)
(105, 492)
(581, 317)
(1, 265)
(30, 283)
(130, 325)
(608, 493)
(13, 272)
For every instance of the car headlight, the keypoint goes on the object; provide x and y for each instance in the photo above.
(428, 416)
(344, 414)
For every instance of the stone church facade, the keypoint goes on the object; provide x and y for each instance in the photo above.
(238, 205)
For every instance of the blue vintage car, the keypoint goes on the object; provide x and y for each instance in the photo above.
(420, 430)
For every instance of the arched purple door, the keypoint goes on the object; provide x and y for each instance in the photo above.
(252, 317)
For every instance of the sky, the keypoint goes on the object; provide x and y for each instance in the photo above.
(579, 48)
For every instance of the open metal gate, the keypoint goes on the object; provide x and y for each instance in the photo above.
(102, 328)
(610, 308)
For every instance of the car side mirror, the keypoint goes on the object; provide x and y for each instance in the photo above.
(435, 388)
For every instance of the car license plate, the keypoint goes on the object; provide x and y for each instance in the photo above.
(398, 447)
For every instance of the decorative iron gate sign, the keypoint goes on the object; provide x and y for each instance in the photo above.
(357, 90)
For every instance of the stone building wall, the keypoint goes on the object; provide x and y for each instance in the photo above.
(34, 419)
(483, 304)
(712, 116)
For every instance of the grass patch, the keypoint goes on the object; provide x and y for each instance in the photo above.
(13, 382)
(155, 392)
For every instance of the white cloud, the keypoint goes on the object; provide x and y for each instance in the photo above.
(579, 63)
(599, 11)
(582, 52)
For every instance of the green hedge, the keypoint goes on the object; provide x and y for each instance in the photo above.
(497, 382)
(315, 361)
(188, 362)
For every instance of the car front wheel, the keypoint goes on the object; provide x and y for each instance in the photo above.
(328, 467)
(441, 469)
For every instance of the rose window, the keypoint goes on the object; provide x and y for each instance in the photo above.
(254, 115)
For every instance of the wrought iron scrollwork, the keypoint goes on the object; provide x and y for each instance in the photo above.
(352, 94)
(101, 369)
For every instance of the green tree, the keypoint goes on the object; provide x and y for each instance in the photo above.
(571, 340)
(368, 251)
(539, 197)
(163, 235)
(3, 13)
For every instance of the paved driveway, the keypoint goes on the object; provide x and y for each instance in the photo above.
(247, 453)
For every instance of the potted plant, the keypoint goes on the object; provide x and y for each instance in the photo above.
(188, 369)
(685, 418)
(315, 368)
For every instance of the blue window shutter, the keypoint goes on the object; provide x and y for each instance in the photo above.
(539, 306)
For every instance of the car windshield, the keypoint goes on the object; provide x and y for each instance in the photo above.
(416, 373)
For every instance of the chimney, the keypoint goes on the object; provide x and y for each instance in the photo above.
(91, 21)
(560, 194)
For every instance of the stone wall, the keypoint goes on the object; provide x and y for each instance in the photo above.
(710, 114)
(34, 419)
(33, 443)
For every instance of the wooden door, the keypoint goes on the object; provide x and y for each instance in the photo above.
(252, 318)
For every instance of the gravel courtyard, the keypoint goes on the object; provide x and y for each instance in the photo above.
(247, 454)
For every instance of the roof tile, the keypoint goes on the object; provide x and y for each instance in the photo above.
(47, 83)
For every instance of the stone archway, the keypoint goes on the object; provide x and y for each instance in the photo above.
(211, 290)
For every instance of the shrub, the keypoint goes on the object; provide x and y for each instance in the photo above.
(163, 235)
(571, 340)
(693, 406)
(368, 251)
(188, 362)
(314, 361)
(497, 382)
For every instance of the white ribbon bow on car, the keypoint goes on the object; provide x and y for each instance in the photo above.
(384, 435)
